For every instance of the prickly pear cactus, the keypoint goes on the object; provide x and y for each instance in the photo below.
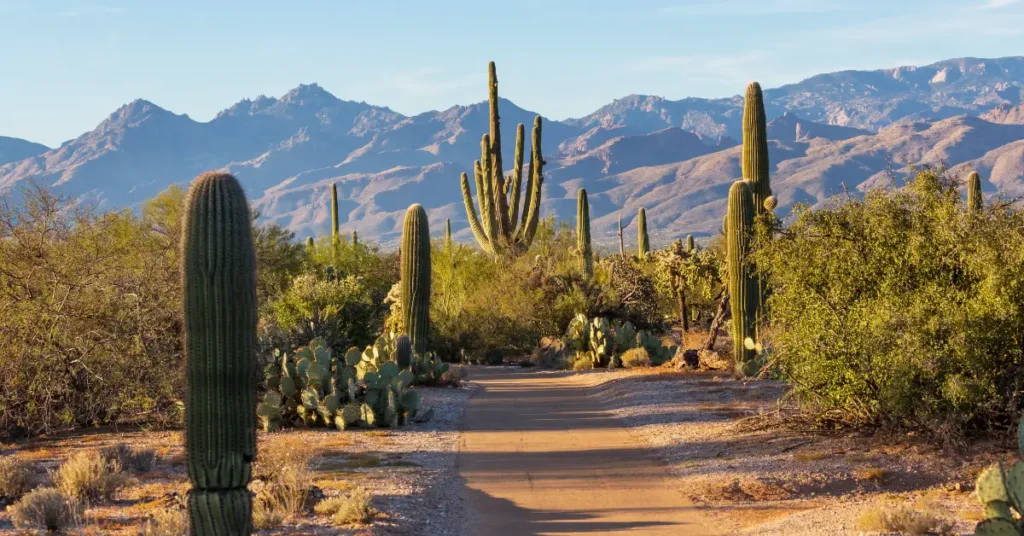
(1001, 490)
(623, 336)
(428, 369)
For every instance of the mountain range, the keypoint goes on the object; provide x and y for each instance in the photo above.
(844, 130)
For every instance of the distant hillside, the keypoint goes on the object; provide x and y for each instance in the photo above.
(676, 158)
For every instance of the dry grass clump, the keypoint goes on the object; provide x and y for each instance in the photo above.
(16, 477)
(906, 519)
(129, 459)
(582, 363)
(351, 509)
(166, 522)
(47, 509)
(89, 476)
(877, 475)
(636, 357)
(281, 481)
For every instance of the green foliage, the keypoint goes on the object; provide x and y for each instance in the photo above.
(498, 228)
(583, 247)
(743, 286)
(218, 273)
(415, 279)
(91, 312)
(901, 309)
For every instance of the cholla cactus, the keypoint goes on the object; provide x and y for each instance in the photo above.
(1001, 490)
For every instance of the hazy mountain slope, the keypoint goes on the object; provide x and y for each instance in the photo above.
(15, 149)
(676, 158)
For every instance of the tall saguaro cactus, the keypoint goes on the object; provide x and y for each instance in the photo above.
(643, 243)
(448, 233)
(755, 166)
(501, 228)
(334, 212)
(622, 245)
(689, 243)
(739, 226)
(974, 197)
(583, 233)
(218, 275)
(755, 147)
(415, 285)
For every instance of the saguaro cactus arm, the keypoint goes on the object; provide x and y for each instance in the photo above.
(754, 161)
(743, 286)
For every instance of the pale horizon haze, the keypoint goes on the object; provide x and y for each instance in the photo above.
(68, 64)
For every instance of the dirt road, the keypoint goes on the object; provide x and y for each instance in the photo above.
(539, 456)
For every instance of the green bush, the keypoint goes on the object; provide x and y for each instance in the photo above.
(901, 308)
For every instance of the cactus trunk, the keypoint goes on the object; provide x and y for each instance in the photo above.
(974, 197)
(742, 285)
(334, 212)
(622, 245)
(690, 247)
(218, 275)
(448, 233)
(583, 233)
(415, 284)
(499, 198)
(756, 169)
(643, 243)
(355, 238)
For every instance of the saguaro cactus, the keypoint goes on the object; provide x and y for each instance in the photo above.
(689, 243)
(448, 233)
(755, 147)
(415, 285)
(974, 198)
(355, 238)
(583, 233)
(334, 211)
(643, 243)
(739, 225)
(622, 245)
(218, 274)
(310, 244)
(403, 351)
(496, 228)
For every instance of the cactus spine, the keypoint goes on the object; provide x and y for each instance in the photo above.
(583, 233)
(643, 243)
(974, 198)
(743, 287)
(334, 211)
(689, 243)
(218, 274)
(415, 284)
(500, 227)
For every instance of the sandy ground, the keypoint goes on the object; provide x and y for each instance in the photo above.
(541, 456)
(778, 482)
(409, 472)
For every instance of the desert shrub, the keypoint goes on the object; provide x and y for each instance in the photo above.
(167, 522)
(481, 304)
(88, 476)
(282, 479)
(129, 459)
(339, 311)
(636, 357)
(926, 518)
(47, 509)
(16, 477)
(901, 308)
(351, 509)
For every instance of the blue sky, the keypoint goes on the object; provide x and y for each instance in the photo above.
(67, 64)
